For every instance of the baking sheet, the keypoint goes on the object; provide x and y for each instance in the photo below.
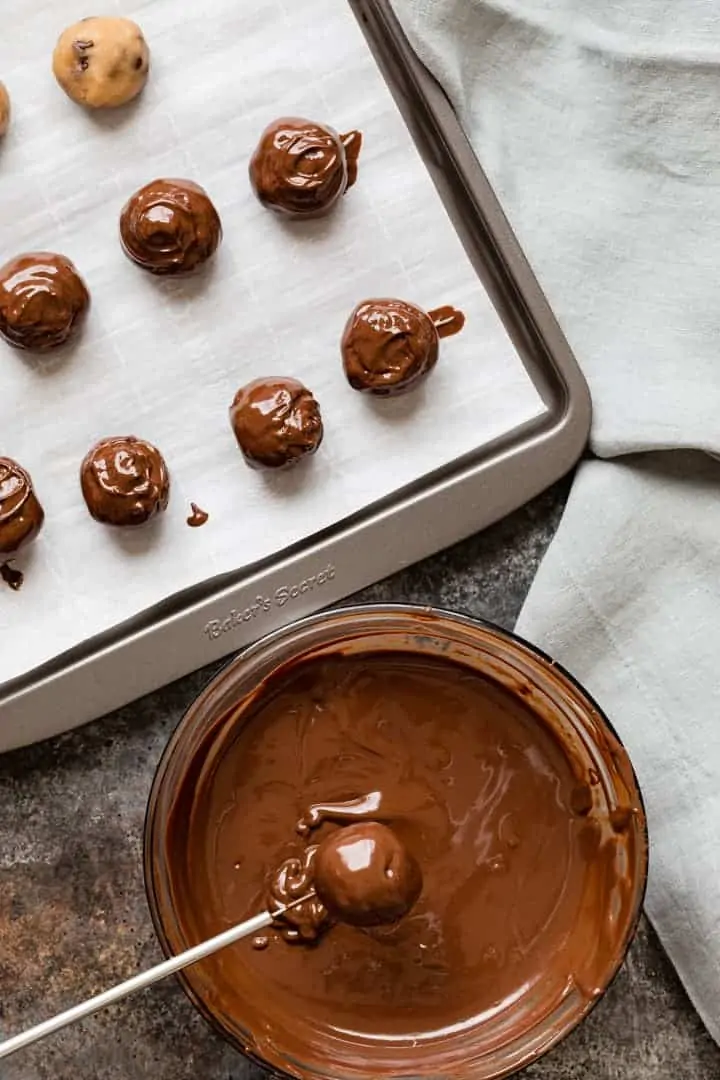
(162, 359)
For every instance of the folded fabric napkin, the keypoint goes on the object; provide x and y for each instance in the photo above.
(599, 127)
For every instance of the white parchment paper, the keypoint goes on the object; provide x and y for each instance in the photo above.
(162, 360)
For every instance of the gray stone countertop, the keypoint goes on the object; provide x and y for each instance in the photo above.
(73, 918)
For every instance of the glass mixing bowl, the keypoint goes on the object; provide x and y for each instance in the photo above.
(541, 1017)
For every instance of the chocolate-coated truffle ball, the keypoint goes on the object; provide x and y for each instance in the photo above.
(4, 109)
(365, 876)
(102, 61)
(170, 227)
(388, 346)
(302, 169)
(21, 515)
(125, 481)
(276, 422)
(42, 301)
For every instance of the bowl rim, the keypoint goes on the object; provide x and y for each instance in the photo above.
(379, 609)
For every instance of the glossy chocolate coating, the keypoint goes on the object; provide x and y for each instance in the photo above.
(42, 301)
(170, 227)
(124, 481)
(388, 346)
(524, 889)
(276, 422)
(302, 169)
(365, 876)
(21, 515)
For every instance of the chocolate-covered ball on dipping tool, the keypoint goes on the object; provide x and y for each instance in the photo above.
(43, 301)
(362, 875)
(454, 822)
(170, 227)
(124, 481)
(365, 876)
(302, 169)
(21, 517)
(389, 346)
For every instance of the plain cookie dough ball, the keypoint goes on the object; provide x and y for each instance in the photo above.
(102, 62)
(4, 110)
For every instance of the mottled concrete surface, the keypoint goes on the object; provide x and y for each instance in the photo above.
(73, 918)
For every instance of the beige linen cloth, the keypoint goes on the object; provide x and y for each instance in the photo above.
(599, 127)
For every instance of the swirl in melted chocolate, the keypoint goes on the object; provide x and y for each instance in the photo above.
(389, 346)
(526, 892)
(170, 227)
(302, 169)
(21, 515)
(276, 422)
(42, 301)
(125, 481)
(291, 882)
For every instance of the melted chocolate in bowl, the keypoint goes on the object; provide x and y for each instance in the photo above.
(494, 771)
